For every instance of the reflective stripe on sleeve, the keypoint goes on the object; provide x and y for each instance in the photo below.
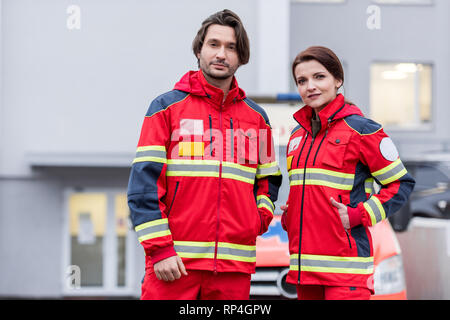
(390, 173)
(153, 229)
(375, 210)
(268, 169)
(151, 153)
(263, 201)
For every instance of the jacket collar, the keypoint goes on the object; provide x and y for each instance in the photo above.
(335, 110)
(195, 83)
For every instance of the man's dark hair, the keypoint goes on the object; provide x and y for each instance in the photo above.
(225, 18)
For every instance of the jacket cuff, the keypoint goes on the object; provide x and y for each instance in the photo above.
(162, 253)
(354, 216)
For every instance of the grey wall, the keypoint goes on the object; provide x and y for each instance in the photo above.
(78, 95)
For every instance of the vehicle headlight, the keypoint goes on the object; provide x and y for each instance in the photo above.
(389, 276)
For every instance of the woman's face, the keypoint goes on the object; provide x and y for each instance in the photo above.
(316, 85)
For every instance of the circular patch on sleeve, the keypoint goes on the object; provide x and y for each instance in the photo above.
(388, 149)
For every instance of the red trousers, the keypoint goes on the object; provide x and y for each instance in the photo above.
(312, 292)
(198, 285)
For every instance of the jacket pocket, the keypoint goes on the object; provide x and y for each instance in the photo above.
(346, 231)
(336, 149)
(173, 198)
(245, 142)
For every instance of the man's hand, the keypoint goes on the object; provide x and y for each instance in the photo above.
(342, 209)
(170, 269)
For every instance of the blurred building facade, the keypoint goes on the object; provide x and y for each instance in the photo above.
(78, 76)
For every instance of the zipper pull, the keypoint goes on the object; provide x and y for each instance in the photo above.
(210, 134)
(232, 139)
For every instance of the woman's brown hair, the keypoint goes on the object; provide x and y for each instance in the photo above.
(225, 18)
(325, 57)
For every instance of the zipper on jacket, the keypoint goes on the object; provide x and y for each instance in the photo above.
(301, 213)
(210, 136)
(346, 232)
(173, 199)
(218, 196)
(301, 150)
(232, 139)
(320, 144)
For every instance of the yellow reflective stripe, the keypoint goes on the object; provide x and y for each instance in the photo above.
(194, 162)
(154, 235)
(390, 173)
(387, 168)
(210, 168)
(322, 177)
(335, 258)
(332, 264)
(368, 186)
(150, 154)
(223, 256)
(237, 246)
(238, 166)
(324, 172)
(264, 201)
(196, 255)
(268, 169)
(151, 148)
(337, 270)
(195, 243)
(153, 229)
(192, 168)
(149, 159)
(373, 219)
(375, 210)
(395, 177)
(225, 250)
(231, 170)
(151, 224)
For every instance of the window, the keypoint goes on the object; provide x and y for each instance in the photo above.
(98, 244)
(400, 95)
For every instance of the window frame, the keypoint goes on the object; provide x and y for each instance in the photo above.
(422, 127)
(110, 287)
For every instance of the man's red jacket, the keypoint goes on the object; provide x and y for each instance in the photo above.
(342, 161)
(204, 179)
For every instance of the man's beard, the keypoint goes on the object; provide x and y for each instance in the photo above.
(227, 75)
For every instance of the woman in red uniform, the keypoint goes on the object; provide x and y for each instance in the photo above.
(334, 156)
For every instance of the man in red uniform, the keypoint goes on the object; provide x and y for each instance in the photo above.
(204, 180)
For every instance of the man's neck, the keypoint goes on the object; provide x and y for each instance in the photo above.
(222, 84)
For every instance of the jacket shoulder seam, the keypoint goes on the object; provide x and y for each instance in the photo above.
(367, 127)
(258, 109)
(165, 101)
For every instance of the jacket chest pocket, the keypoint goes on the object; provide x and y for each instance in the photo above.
(244, 142)
(336, 149)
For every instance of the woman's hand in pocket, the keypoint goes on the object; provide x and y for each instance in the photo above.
(343, 214)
